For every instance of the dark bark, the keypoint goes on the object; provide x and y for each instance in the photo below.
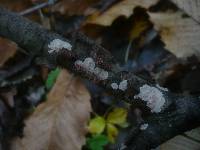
(181, 116)
(35, 39)
(179, 113)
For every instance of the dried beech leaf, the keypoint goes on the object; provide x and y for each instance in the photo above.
(191, 7)
(72, 7)
(183, 143)
(61, 122)
(180, 34)
(7, 50)
(124, 8)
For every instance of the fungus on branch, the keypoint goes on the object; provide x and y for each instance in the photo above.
(89, 65)
(56, 45)
(122, 85)
(144, 126)
(153, 96)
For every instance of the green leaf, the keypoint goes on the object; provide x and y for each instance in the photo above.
(112, 132)
(52, 76)
(97, 125)
(97, 142)
(117, 116)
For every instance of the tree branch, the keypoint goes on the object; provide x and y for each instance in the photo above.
(180, 117)
(35, 40)
(83, 57)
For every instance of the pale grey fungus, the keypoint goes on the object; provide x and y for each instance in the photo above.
(123, 85)
(97, 70)
(89, 65)
(144, 126)
(79, 62)
(56, 45)
(152, 96)
(103, 75)
(114, 86)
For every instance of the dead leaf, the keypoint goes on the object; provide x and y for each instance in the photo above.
(124, 8)
(9, 96)
(7, 50)
(191, 7)
(16, 5)
(72, 7)
(61, 122)
(180, 34)
(183, 143)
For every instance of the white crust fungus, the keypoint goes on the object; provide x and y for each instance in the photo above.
(114, 86)
(123, 85)
(153, 96)
(89, 65)
(56, 45)
(102, 74)
(144, 126)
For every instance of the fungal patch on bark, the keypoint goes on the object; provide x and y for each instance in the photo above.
(56, 45)
(152, 96)
(144, 126)
(122, 85)
(89, 65)
(101, 73)
(114, 86)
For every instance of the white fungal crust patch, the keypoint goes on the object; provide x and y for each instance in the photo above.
(101, 73)
(56, 45)
(123, 85)
(144, 126)
(89, 65)
(114, 86)
(153, 96)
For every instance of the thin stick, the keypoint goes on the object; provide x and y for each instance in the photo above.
(35, 8)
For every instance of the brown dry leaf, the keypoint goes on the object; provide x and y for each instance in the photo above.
(183, 143)
(191, 7)
(124, 8)
(180, 34)
(60, 123)
(16, 5)
(7, 50)
(72, 7)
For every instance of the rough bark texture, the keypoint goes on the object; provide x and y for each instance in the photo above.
(179, 113)
(181, 116)
(35, 39)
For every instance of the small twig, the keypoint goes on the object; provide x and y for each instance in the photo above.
(128, 51)
(35, 8)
